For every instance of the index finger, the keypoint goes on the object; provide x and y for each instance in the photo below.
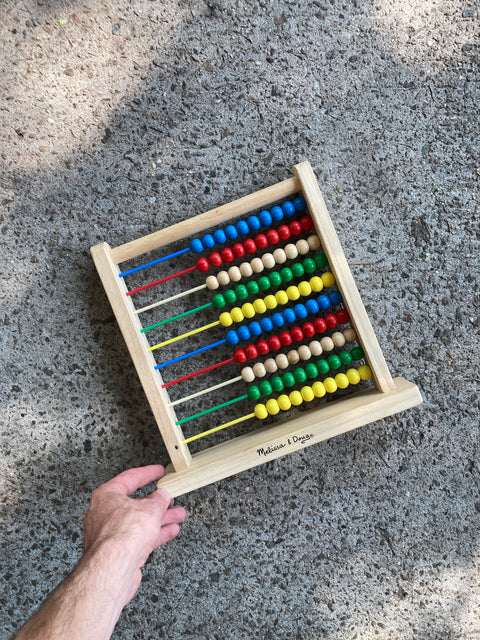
(132, 479)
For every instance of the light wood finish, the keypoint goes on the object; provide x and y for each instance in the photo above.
(142, 358)
(319, 424)
(343, 276)
(214, 217)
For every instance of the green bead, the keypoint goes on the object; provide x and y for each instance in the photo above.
(323, 366)
(218, 301)
(321, 260)
(298, 270)
(311, 371)
(277, 383)
(254, 392)
(265, 388)
(334, 362)
(299, 374)
(252, 287)
(345, 357)
(275, 279)
(230, 296)
(309, 265)
(288, 379)
(241, 291)
(357, 353)
(264, 283)
(286, 274)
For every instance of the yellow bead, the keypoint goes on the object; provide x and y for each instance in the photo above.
(271, 302)
(281, 297)
(353, 376)
(307, 394)
(272, 407)
(341, 380)
(330, 385)
(237, 315)
(318, 389)
(259, 306)
(305, 289)
(365, 372)
(261, 411)
(248, 310)
(296, 398)
(225, 319)
(293, 293)
(284, 402)
(328, 279)
(316, 283)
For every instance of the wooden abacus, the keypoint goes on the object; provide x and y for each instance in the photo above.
(299, 429)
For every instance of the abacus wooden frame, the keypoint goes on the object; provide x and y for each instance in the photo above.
(188, 472)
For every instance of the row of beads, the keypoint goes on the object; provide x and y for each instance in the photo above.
(253, 223)
(314, 349)
(267, 261)
(299, 375)
(317, 390)
(251, 245)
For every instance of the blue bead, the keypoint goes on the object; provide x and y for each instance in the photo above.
(312, 306)
(335, 297)
(323, 302)
(265, 218)
(266, 324)
(289, 315)
(208, 241)
(288, 209)
(219, 236)
(255, 328)
(301, 311)
(196, 245)
(299, 204)
(232, 337)
(276, 213)
(242, 227)
(243, 332)
(254, 223)
(231, 232)
(278, 320)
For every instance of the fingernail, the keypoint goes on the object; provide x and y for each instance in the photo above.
(165, 495)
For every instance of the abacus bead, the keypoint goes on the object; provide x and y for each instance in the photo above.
(327, 344)
(304, 288)
(293, 293)
(271, 302)
(241, 292)
(265, 387)
(316, 283)
(225, 319)
(295, 227)
(300, 311)
(268, 260)
(353, 376)
(219, 236)
(302, 246)
(312, 306)
(262, 347)
(282, 361)
(307, 394)
(240, 356)
(285, 338)
(254, 393)
(252, 287)
(307, 223)
(257, 265)
(309, 265)
(341, 381)
(223, 278)
(311, 371)
(272, 407)
(288, 208)
(259, 306)
(280, 256)
(235, 274)
(291, 251)
(313, 242)
(300, 375)
(230, 296)
(297, 334)
(322, 366)
(196, 245)
(304, 352)
(298, 270)
(364, 372)
(261, 241)
(238, 250)
(227, 255)
(266, 324)
(208, 241)
(260, 411)
(357, 353)
(277, 384)
(275, 279)
(295, 398)
(338, 339)
(255, 329)
(212, 283)
(265, 218)
(286, 274)
(248, 310)
(318, 389)
(345, 357)
(243, 332)
(323, 302)
(330, 385)
(328, 279)
(288, 379)
(270, 364)
(242, 227)
(299, 204)
(335, 297)
(237, 315)
(283, 232)
(315, 347)
(259, 370)
(278, 320)
(232, 337)
(321, 260)
(308, 329)
(272, 236)
(218, 301)
(253, 223)
(320, 325)
(231, 232)
(289, 315)
(334, 362)
(350, 334)
(276, 213)
(251, 352)
(249, 246)
(202, 265)
(342, 316)
(281, 297)
(215, 259)
(293, 357)
(247, 374)
(264, 283)
(284, 402)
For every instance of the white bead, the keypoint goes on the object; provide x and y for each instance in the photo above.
(212, 283)
(304, 352)
(350, 335)
(313, 242)
(257, 265)
(293, 356)
(316, 348)
(247, 374)
(282, 361)
(245, 269)
(327, 344)
(270, 365)
(338, 339)
(223, 278)
(235, 274)
(280, 256)
(259, 370)
(291, 251)
(268, 260)
(302, 247)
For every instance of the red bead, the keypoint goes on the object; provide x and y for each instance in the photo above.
(285, 339)
(251, 352)
(240, 356)
(295, 227)
(342, 316)
(272, 236)
(297, 334)
(320, 325)
(261, 241)
(283, 232)
(331, 320)
(238, 250)
(202, 265)
(274, 343)
(227, 255)
(308, 330)
(307, 223)
(262, 347)
(249, 245)
(215, 259)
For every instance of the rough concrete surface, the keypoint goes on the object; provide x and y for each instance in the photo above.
(121, 118)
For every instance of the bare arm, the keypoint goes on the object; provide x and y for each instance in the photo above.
(119, 535)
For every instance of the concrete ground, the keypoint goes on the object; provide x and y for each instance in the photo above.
(121, 118)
